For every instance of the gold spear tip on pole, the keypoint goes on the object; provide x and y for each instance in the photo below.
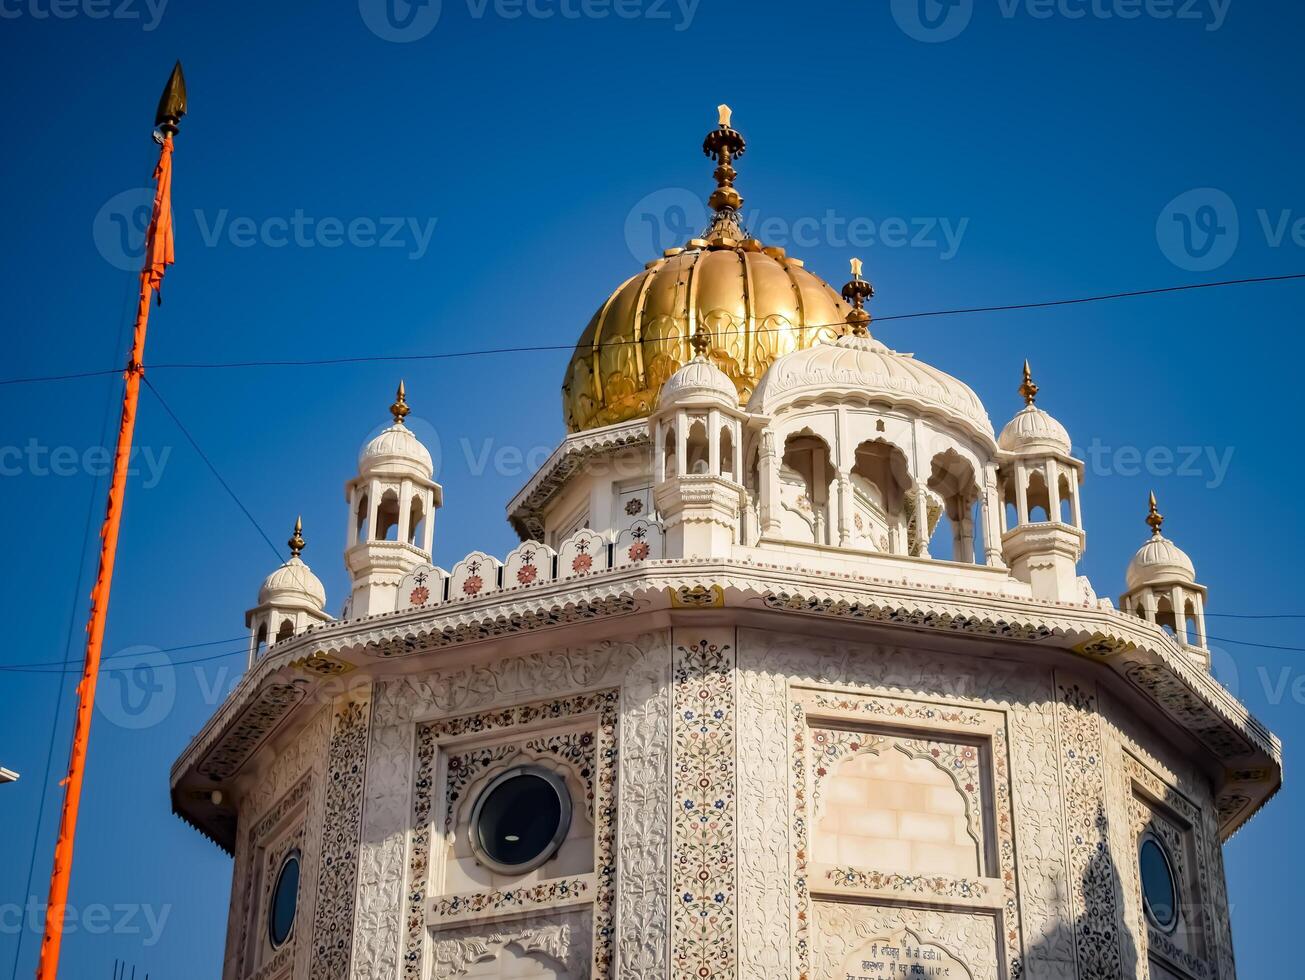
(1028, 389)
(1154, 518)
(296, 541)
(172, 103)
(400, 407)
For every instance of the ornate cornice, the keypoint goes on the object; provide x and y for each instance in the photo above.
(1143, 655)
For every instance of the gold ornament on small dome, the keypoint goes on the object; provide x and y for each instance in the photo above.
(1154, 519)
(701, 342)
(296, 541)
(400, 407)
(1028, 390)
(856, 292)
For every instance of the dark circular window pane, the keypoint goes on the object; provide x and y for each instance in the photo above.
(522, 818)
(285, 899)
(1159, 891)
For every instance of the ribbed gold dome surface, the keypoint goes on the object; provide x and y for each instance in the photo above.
(755, 303)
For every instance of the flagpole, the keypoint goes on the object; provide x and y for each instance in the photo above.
(158, 256)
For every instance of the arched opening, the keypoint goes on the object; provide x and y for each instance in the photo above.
(286, 631)
(361, 518)
(697, 453)
(669, 456)
(880, 481)
(727, 453)
(1039, 499)
(260, 640)
(417, 521)
(1193, 626)
(1164, 616)
(952, 478)
(805, 475)
(1066, 491)
(387, 517)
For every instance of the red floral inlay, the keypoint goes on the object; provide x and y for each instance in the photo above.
(473, 584)
(582, 564)
(639, 551)
(527, 574)
(419, 595)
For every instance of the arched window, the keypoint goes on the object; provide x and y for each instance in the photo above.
(880, 481)
(260, 641)
(805, 476)
(1039, 499)
(727, 453)
(286, 632)
(952, 478)
(1066, 490)
(416, 522)
(362, 518)
(697, 453)
(387, 517)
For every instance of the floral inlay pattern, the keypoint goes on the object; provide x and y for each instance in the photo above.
(703, 895)
(936, 885)
(507, 899)
(342, 822)
(593, 755)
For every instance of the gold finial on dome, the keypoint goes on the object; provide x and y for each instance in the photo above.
(1154, 518)
(400, 407)
(1028, 389)
(724, 144)
(857, 292)
(296, 541)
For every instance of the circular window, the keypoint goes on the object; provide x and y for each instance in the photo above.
(520, 819)
(1159, 889)
(285, 900)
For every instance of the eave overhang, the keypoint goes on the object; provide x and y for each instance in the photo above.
(277, 693)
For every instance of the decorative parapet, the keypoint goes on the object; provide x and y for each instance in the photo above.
(530, 564)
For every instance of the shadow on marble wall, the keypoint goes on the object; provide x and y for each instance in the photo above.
(1106, 948)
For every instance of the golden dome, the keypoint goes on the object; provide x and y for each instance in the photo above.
(756, 303)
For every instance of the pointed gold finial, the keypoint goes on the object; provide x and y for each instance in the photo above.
(857, 292)
(296, 541)
(1028, 389)
(724, 144)
(1154, 518)
(701, 341)
(172, 104)
(400, 407)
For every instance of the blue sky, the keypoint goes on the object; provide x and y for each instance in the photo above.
(482, 179)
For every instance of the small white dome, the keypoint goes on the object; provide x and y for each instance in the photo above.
(396, 448)
(699, 382)
(865, 367)
(293, 584)
(1033, 430)
(1159, 562)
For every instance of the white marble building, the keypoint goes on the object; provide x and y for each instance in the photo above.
(792, 675)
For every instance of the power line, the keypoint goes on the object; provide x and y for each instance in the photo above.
(545, 348)
(172, 663)
(70, 663)
(213, 469)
